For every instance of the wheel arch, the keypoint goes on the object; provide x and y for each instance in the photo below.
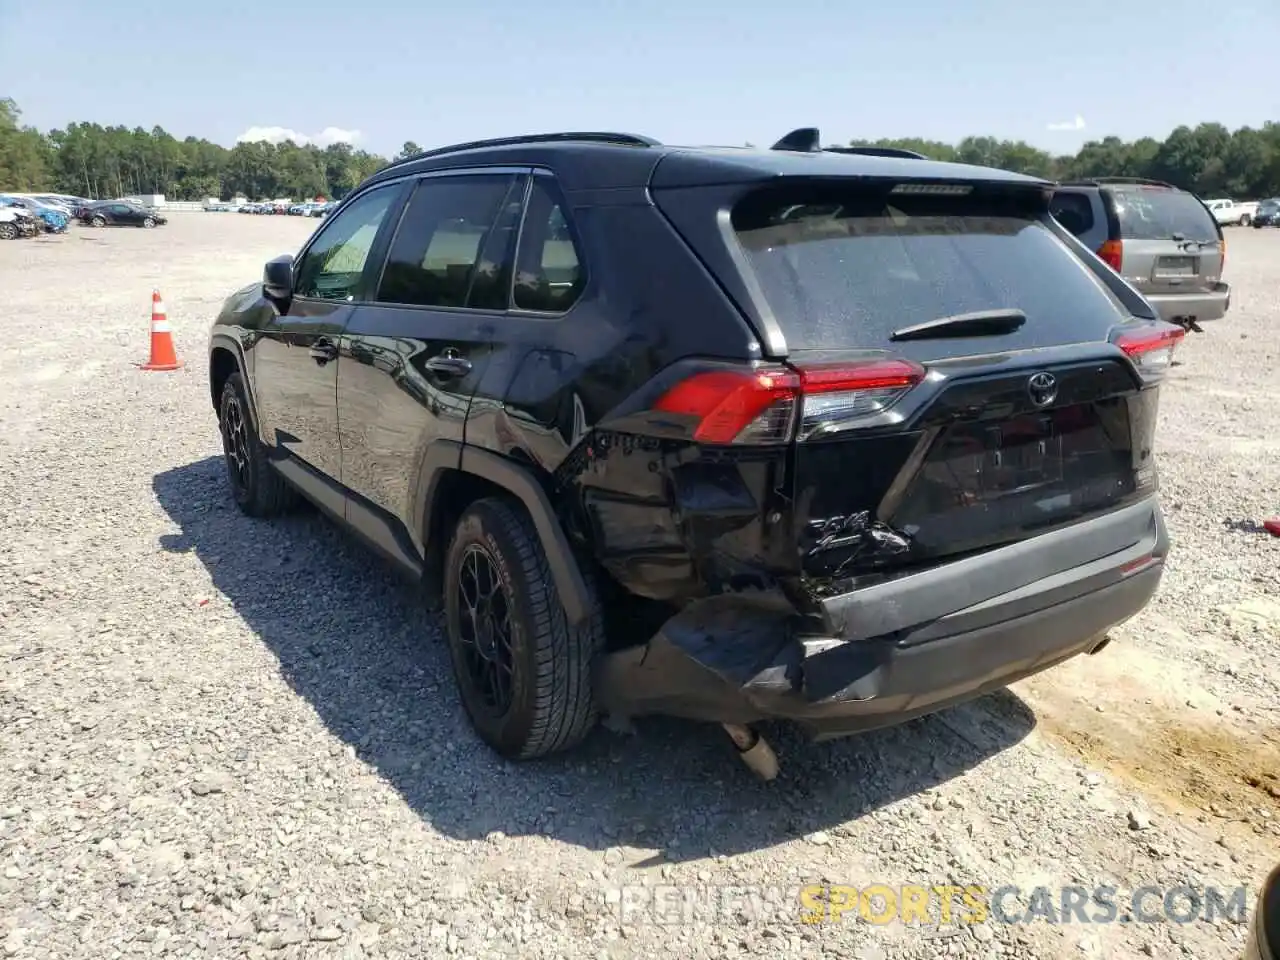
(452, 477)
(226, 358)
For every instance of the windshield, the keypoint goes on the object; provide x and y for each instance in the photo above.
(1159, 213)
(1269, 206)
(848, 270)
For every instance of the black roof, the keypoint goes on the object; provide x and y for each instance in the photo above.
(598, 160)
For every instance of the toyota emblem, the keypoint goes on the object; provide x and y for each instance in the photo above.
(1042, 388)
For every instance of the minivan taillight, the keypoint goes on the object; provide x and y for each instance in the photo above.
(764, 404)
(1112, 254)
(1151, 348)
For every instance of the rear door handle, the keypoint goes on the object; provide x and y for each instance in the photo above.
(322, 351)
(449, 365)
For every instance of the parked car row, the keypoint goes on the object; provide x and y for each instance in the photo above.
(28, 216)
(285, 208)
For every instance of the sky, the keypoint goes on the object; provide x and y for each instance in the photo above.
(381, 72)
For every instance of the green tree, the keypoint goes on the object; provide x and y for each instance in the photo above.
(410, 149)
(24, 154)
(109, 161)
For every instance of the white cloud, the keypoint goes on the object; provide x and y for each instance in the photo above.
(336, 135)
(1076, 124)
(324, 138)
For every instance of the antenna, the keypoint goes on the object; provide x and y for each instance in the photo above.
(803, 140)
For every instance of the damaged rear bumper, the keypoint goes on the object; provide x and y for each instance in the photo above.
(899, 649)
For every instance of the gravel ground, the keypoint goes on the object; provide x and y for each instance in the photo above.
(227, 738)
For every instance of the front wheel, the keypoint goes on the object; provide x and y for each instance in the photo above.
(258, 490)
(149, 222)
(98, 222)
(523, 674)
(8, 231)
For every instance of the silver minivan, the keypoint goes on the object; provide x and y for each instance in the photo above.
(1162, 240)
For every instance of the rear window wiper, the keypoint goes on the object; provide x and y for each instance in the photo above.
(982, 323)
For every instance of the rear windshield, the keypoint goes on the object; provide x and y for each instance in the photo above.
(1158, 213)
(846, 270)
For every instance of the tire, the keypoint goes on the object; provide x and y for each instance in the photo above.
(256, 487)
(1244, 220)
(98, 222)
(8, 231)
(148, 223)
(551, 706)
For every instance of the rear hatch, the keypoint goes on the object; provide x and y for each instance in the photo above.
(1025, 409)
(1169, 241)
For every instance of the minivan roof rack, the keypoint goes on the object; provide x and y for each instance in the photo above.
(809, 140)
(577, 136)
(1100, 181)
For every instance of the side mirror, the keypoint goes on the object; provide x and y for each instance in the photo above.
(1264, 934)
(277, 278)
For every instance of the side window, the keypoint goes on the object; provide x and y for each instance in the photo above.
(549, 273)
(1073, 210)
(453, 247)
(332, 267)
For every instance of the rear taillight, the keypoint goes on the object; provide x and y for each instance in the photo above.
(773, 404)
(1151, 348)
(1222, 254)
(1112, 254)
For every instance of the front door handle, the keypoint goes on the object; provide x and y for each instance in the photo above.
(449, 365)
(322, 351)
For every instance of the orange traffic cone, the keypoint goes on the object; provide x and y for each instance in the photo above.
(163, 356)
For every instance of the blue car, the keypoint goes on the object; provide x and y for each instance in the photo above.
(55, 220)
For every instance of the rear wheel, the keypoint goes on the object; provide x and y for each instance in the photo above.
(1244, 220)
(258, 490)
(8, 231)
(523, 674)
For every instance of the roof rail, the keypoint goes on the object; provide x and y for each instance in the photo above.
(871, 151)
(585, 136)
(1099, 181)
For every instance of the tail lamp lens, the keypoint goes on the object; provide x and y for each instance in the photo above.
(1112, 254)
(1151, 349)
(773, 404)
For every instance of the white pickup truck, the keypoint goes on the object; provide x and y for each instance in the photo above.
(1229, 212)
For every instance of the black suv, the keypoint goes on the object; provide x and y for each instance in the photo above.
(830, 436)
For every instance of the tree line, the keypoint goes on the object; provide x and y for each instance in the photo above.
(88, 159)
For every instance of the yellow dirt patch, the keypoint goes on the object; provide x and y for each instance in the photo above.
(1148, 733)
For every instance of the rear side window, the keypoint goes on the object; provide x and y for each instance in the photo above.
(1159, 213)
(846, 269)
(549, 273)
(1073, 210)
(453, 246)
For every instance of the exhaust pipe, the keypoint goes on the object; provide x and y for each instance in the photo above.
(1106, 642)
(754, 751)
